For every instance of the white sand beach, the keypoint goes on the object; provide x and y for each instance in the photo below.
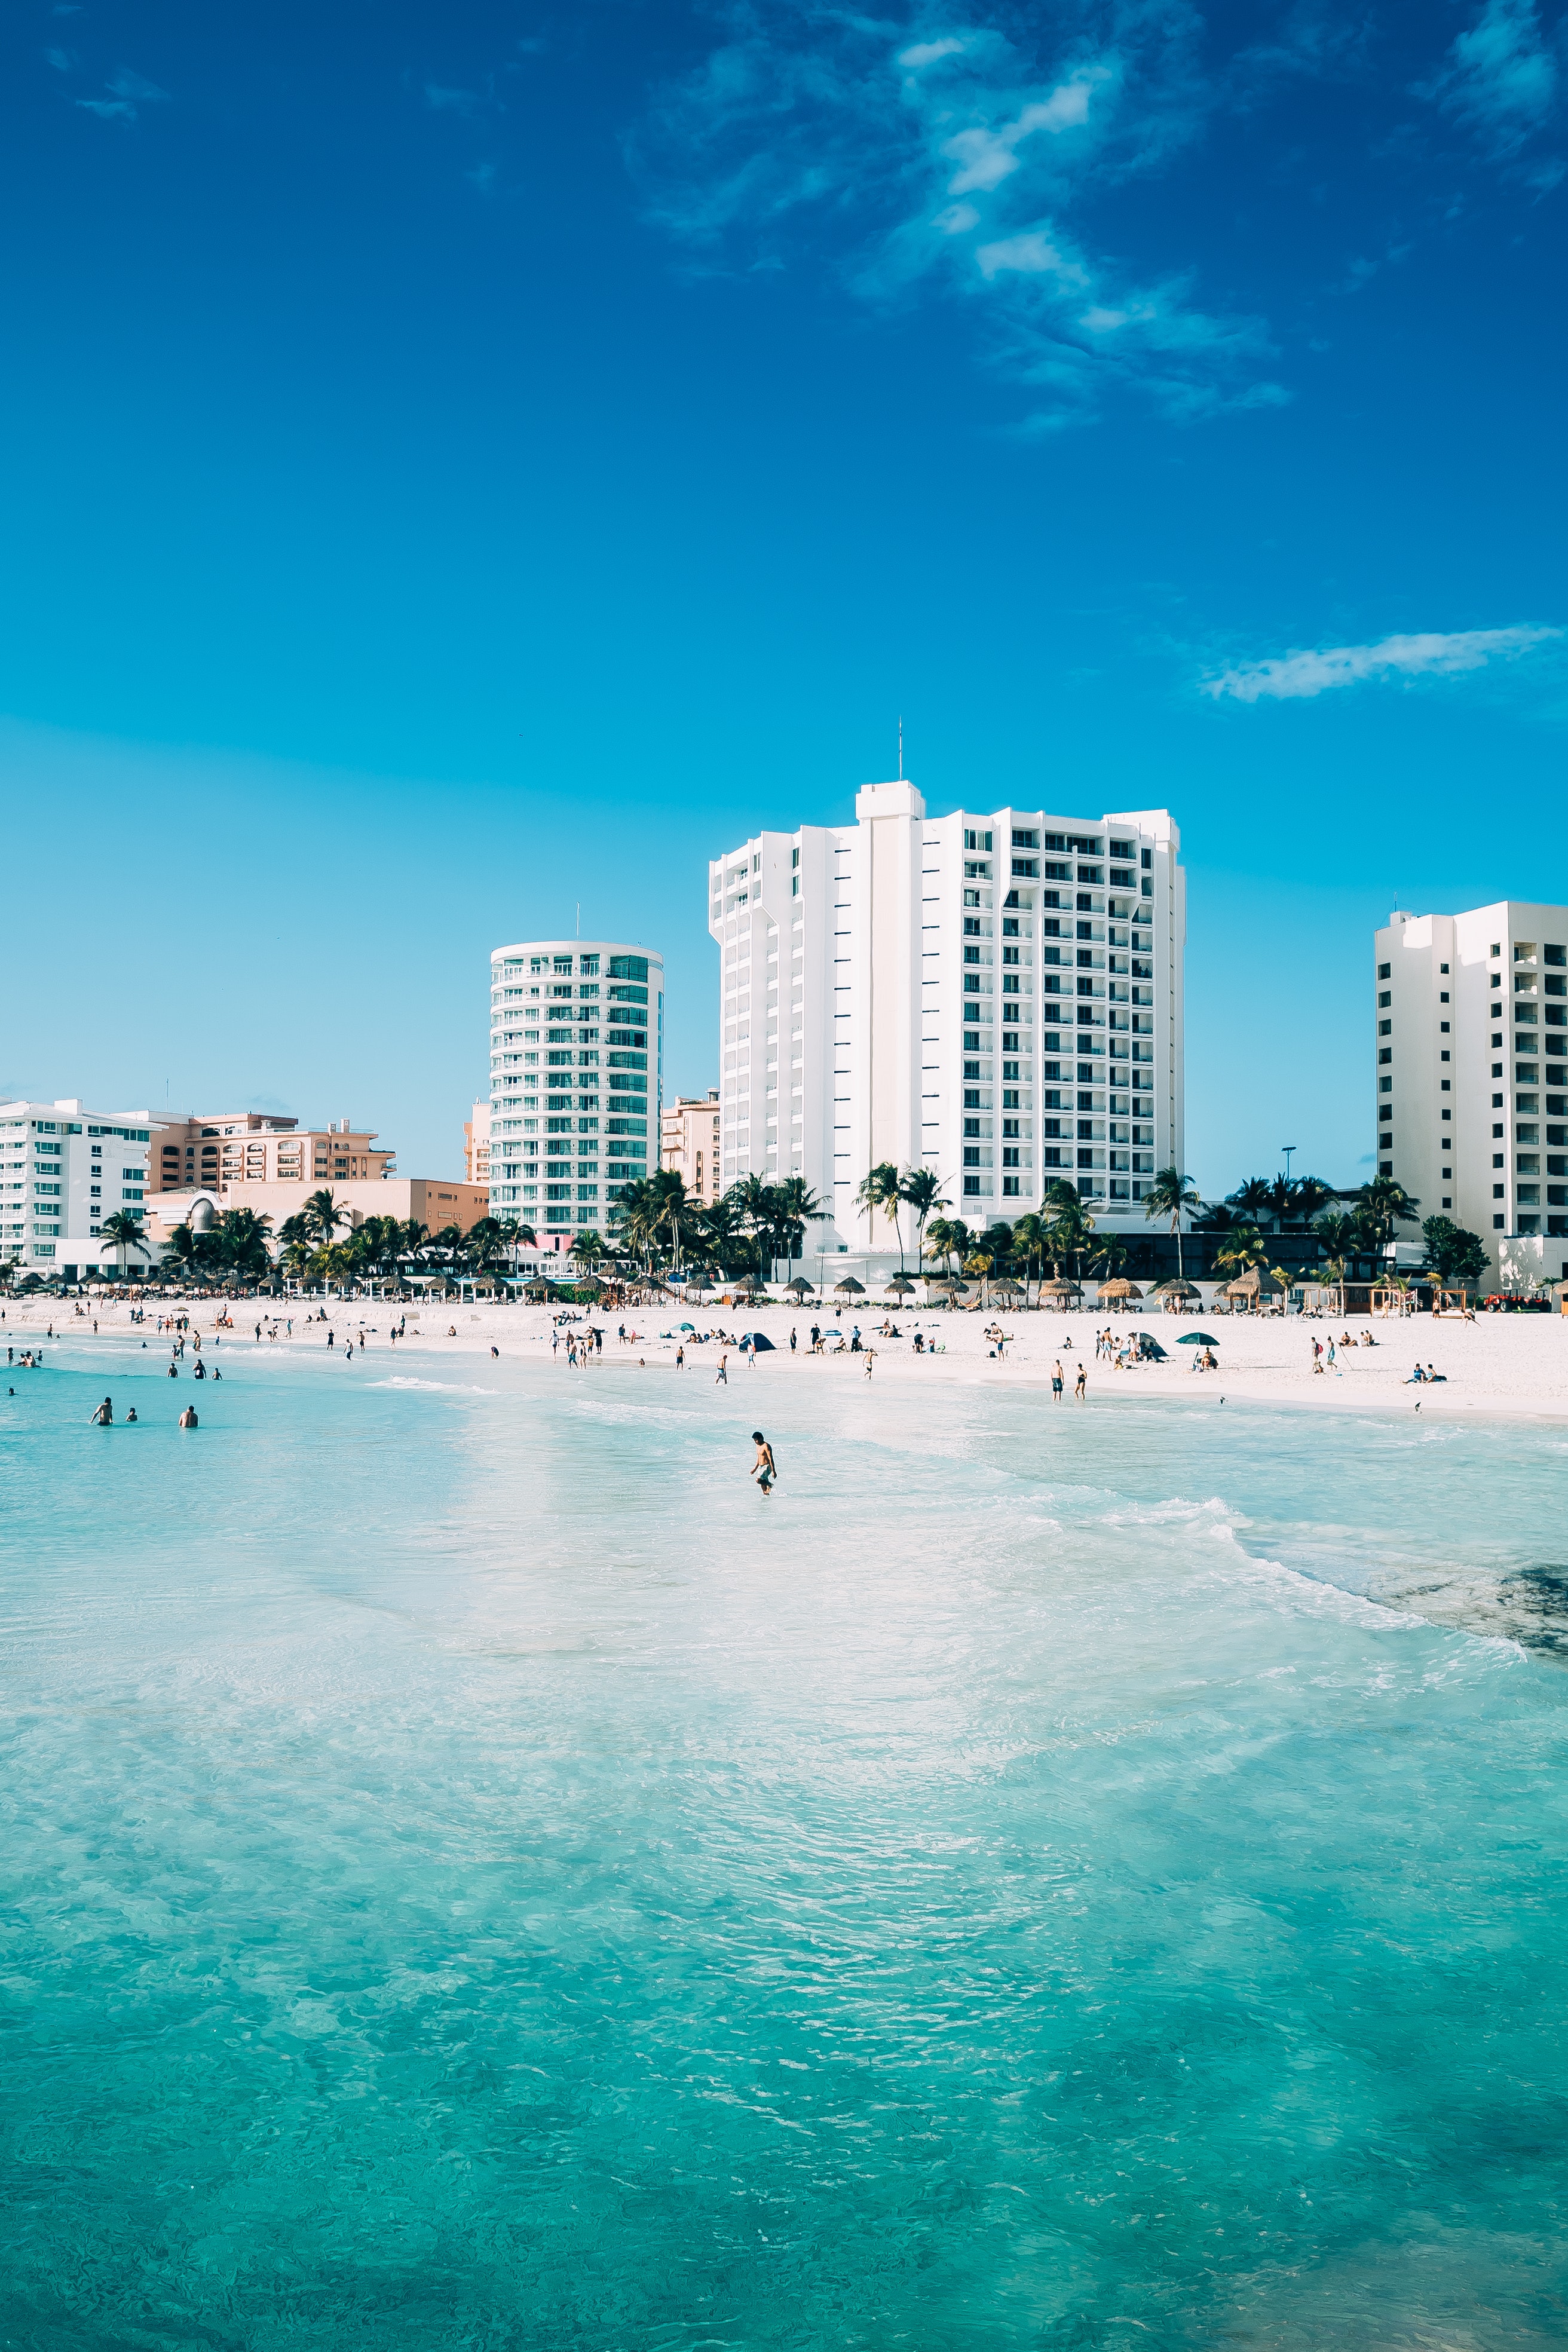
(1504, 1363)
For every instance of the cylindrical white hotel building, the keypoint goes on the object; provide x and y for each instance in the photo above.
(577, 1078)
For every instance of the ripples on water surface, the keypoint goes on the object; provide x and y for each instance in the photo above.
(478, 1876)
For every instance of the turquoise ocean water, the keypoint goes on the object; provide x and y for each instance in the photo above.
(476, 1874)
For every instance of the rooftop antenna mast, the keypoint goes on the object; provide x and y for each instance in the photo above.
(900, 746)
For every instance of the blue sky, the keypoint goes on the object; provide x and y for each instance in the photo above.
(462, 462)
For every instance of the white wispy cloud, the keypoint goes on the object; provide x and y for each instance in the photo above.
(928, 148)
(1501, 76)
(443, 100)
(1294, 677)
(129, 93)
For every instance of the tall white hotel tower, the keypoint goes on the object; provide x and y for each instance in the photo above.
(995, 997)
(576, 1075)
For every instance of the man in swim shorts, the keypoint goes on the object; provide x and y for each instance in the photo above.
(765, 1470)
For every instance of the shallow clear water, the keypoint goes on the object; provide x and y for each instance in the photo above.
(477, 1875)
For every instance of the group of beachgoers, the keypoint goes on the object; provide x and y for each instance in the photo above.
(103, 1417)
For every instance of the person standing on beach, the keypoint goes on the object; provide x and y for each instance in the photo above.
(1057, 1383)
(1081, 1387)
(765, 1470)
(723, 1372)
(680, 1358)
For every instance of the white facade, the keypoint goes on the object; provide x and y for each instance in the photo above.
(1472, 1074)
(577, 1078)
(998, 997)
(63, 1168)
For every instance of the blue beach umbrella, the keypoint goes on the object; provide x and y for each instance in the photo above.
(1197, 1339)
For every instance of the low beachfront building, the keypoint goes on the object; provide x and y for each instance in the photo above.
(64, 1169)
(1471, 1041)
(994, 997)
(688, 1144)
(576, 1075)
(433, 1202)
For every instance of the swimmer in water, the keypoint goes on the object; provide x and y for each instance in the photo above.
(103, 1416)
(130, 1416)
(765, 1469)
(188, 1418)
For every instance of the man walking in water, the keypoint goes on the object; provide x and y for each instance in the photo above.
(765, 1470)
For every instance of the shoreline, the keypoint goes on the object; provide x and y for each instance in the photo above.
(1501, 1367)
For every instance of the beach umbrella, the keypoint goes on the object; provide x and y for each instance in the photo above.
(1248, 1285)
(1059, 1289)
(850, 1287)
(802, 1289)
(900, 1285)
(1197, 1339)
(1176, 1288)
(1119, 1288)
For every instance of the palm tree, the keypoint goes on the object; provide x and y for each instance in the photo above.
(638, 1216)
(452, 1244)
(921, 1191)
(1108, 1254)
(798, 1207)
(1029, 1241)
(758, 1203)
(946, 1238)
(294, 1245)
(322, 1215)
(1337, 1234)
(879, 1189)
(180, 1252)
(723, 1231)
(240, 1242)
(1312, 1195)
(980, 1264)
(1172, 1195)
(487, 1242)
(123, 1229)
(1383, 1205)
(1243, 1248)
(1070, 1230)
(1254, 1199)
(587, 1248)
(517, 1236)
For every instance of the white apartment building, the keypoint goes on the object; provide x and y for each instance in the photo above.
(995, 997)
(1472, 1074)
(577, 1072)
(689, 1144)
(63, 1168)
